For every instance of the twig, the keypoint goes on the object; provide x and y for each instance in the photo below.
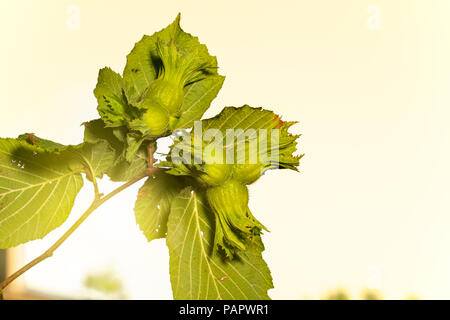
(151, 159)
(95, 204)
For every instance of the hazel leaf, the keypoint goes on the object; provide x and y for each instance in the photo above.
(37, 191)
(235, 125)
(112, 104)
(92, 157)
(153, 203)
(195, 272)
(122, 170)
(45, 144)
(197, 99)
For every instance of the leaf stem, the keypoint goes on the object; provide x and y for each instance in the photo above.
(97, 194)
(151, 159)
(91, 175)
(94, 205)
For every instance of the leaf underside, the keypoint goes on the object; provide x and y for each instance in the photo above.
(236, 124)
(153, 203)
(198, 273)
(197, 99)
(37, 191)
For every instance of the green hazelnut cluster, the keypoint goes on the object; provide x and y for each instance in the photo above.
(228, 197)
(167, 74)
(162, 102)
(225, 183)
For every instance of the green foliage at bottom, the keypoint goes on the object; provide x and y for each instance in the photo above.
(197, 272)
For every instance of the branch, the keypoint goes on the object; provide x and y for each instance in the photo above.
(95, 204)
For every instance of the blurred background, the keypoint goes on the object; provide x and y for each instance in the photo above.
(368, 81)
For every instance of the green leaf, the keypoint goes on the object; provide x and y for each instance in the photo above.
(122, 170)
(144, 63)
(37, 191)
(95, 157)
(243, 120)
(112, 104)
(134, 142)
(47, 145)
(248, 118)
(197, 273)
(96, 131)
(153, 203)
(197, 99)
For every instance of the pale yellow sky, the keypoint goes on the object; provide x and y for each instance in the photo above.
(370, 93)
